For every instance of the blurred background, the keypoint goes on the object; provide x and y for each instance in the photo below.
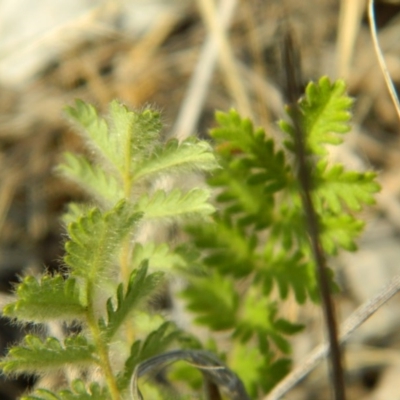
(188, 58)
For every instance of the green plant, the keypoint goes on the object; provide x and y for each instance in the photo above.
(107, 286)
(254, 242)
(259, 234)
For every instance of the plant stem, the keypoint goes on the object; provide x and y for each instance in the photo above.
(101, 346)
(126, 253)
(381, 59)
(359, 316)
(293, 82)
(126, 173)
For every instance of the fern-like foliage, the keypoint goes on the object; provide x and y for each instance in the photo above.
(259, 233)
(241, 261)
(78, 391)
(109, 277)
(155, 343)
(127, 152)
(35, 355)
(175, 204)
(102, 231)
(47, 299)
(140, 285)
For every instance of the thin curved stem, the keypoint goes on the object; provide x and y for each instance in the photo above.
(359, 316)
(381, 59)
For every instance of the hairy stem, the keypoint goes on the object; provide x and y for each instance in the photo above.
(125, 257)
(101, 347)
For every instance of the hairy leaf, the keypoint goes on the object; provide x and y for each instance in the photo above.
(95, 238)
(96, 132)
(190, 155)
(160, 257)
(78, 391)
(47, 299)
(92, 178)
(36, 356)
(136, 134)
(175, 204)
(156, 342)
(140, 286)
(75, 211)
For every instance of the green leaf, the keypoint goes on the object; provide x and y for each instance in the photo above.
(139, 287)
(96, 132)
(288, 328)
(79, 392)
(160, 257)
(75, 211)
(156, 342)
(214, 299)
(288, 229)
(235, 133)
(189, 155)
(95, 239)
(136, 134)
(128, 138)
(36, 356)
(92, 178)
(243, 199)
(50, 298)
(340, 231)
(247, 151)
(257, 318)
(175, 205)
(258, 371)
(42, 394)
(289, 271)
(335, 186)
(325, 114)
(230, 248)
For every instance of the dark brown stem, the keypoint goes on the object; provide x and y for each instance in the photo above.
(347, 328)
(292, 70)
